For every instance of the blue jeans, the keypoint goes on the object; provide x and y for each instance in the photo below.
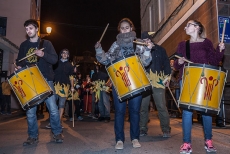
(54, 116)
(61, 101)
(104, 104)
(134, 113)
(187, 124)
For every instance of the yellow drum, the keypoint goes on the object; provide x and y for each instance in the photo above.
(128, 77)
(29, 86)
(202, 87)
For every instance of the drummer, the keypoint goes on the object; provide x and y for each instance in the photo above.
(123, 46)
(44, 60)
(200, 51)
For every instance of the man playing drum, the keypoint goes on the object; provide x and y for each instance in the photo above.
(44, 60)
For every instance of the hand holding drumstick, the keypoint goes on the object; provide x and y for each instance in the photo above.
(98, 44)
(181, 60)
(37, 52)
(221, 45)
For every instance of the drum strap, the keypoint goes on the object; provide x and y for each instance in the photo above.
(188, 49)
(41, 44)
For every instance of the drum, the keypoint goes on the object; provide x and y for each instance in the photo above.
(29, 86)
(128, 76)
(202, 87)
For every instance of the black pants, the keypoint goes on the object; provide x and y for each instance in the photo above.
(77, 108)
(6, 103)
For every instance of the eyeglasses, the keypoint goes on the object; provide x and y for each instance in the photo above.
(189, 24)
(65, 53)
(124, 28)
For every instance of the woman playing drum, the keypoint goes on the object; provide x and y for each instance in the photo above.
(201, 51)
(123, 47)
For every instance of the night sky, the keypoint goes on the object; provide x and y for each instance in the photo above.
(78, 24)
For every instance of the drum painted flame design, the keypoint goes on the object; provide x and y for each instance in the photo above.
(17, 87)
(210, 83)
(123, 72)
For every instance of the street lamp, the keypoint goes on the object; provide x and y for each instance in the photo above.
(48, 30)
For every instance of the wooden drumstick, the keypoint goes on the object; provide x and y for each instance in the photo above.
(141, 43)
(222, 40)
(29, 55)
(73, 107)
(15, 65)
(183, 59)
(103, 32)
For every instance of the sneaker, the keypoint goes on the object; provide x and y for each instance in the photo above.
(94, 117)
(30, 141)
(90, 115)
(119, 145)
(186, 148)
(143, 133)
(79, 118)
(62, 126)
(220, 125)
(166, 134)
(101, 118)
(209, 147)
(136, 144)
(58, 138)
(106, 121)
(3, 113)
(71, 119)
(48, 126)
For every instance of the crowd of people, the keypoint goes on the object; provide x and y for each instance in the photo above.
(91, 95)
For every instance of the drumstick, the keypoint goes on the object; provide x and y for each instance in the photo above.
(29, 55)
(183, 59)
(103, 32)
(141, 43)
(15, 65)
(72, 86)
(222, 40)
(174, 99)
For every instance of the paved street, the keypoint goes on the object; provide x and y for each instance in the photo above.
(93, 137)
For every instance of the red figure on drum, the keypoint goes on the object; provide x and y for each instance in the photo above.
(122, 49)
(44, 60)
(197, 50)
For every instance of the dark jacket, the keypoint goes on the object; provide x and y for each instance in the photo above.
(160, 61)
(45, 63)
(101, 74)
(62, 71)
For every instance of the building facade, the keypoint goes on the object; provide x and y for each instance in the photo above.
(13, 14)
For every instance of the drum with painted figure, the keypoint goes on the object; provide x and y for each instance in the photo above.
(202, 87)
(29, 86)
(128, 76)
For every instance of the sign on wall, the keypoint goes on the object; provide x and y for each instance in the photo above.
(221, 20)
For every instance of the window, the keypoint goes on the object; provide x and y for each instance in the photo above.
(161, 6)
(3, 21)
